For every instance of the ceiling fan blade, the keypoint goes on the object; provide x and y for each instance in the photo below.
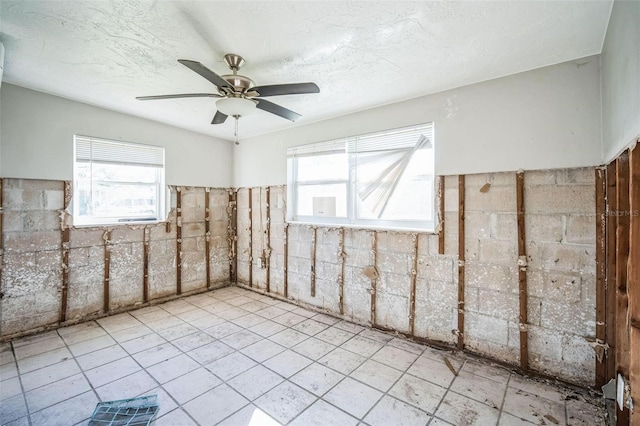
(207, 73)
(277, 110)
(286, 89)
(219, 118)
(183, 95)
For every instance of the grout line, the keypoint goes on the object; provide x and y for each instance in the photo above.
(504, 398)
(19, 376)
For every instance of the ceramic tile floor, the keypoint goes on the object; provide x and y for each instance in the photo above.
(234, 357)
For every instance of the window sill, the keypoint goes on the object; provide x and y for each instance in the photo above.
(364, 227)
(116, 224)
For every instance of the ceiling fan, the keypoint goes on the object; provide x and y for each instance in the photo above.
(238, 94)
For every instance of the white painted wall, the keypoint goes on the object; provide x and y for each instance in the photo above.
(541, 119)
(621, 79)
(36, 131)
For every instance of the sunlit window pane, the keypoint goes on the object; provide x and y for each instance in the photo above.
(328, 200)
(323, 167)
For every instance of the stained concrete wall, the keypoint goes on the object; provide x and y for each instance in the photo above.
(32, 266)
(560, 244)
(621, 79)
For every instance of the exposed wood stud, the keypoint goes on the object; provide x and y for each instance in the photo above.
(207, 235)
(461, 259)
(314, 235)
(250, 237)
(66, 237)
(178, 240)
(232, 235)
(285, 249)
(374, 280)
(107, 269)
(268, 238)
(600, 276)
(441, 230)
(611, 256)
(145, 265)
(522, 274)
(342, 258)
(634, 284)
(622, 300)
(414, 279)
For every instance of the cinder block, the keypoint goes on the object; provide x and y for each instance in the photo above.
(476, 180)
(567, 317)
(504, 226)
(579, 360)
(491, 276)
(583, 176)
(581, 229)
(499, 304)
(544, 227)
(397, 263)
(392, 311)
(498, 251)
(451, 202)
(54, 199)
(32, 199)
(485, 327)
(560, 199)
(497, 199)
(539, 177)
(395, 242)
(477, 224)
(436, 268)
(32, 241)
(564, 257)
(397, 284)
(86, 237)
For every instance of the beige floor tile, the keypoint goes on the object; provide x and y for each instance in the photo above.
(172, 368)
(207, 321)
(533, 407)
(8, 371)
(362, 346)
(287, 363)
(12, 409)
(230, 365)
(335, 336)
(458, 409)
(10, 388)
(289, 319)
(537, 387)
(50, 374)
(177, 331)
(321, 413)
(112, 371)
(208, 353)
(267, 328)
(143, 343)
(67, 412)
(310, 327)
(91, 345)
(343, 361)
(192, 341)
(262, 350)
(127, 387)
(406, 345)
(434, 371)
(156, 354)
(580, 412)
(395, 357)
(6, 354)
(349, 326)
(35, 338)
(353, 397)
(377, 375)
(215, 405)
(85, 334)
(250, 416)
(417, 392)
(131, 333)
(285, 401)
(390, 412)
(376, 335)
(101, 357)
(507, 419)
(38, 347)
(166, 404)
(327, 319)
(118, 322)
(483, 390)
(256, 381)
(487, 370)
(241, 339)
(222, 330)
(313, 348)
(249, 320)
(54, 393)
(193, 384)
(43, 360)
(164, 324)
(271, 312)
(289, 337)
(175, 418)
(317, 379)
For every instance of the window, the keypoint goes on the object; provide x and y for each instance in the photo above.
(116, 182)
(383, 179)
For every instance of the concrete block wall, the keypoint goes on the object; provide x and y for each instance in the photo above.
(32, 277)
(560, 243)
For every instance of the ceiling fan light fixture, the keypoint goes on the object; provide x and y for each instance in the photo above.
(235, 106)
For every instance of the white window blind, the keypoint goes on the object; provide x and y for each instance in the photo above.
(392, 140)
(320, 148)
(115, 152)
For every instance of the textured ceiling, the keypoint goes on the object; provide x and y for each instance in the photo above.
(362, 54)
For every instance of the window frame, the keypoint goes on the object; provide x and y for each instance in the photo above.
(353, 219)
(161, 188)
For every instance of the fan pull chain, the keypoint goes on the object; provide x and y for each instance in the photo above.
(236, 131)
